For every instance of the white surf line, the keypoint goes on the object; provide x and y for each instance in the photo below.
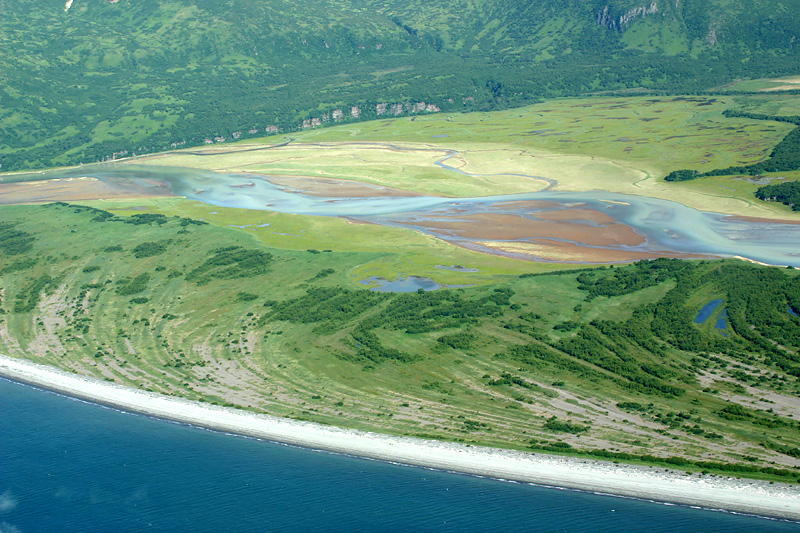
(743, 496)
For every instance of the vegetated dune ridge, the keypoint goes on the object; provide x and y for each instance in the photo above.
(773, 500)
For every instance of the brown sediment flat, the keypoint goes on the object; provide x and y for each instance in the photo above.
(452, 211)
(492, 227)
(73, 189)
(744, 218)
(336, 188)
(577, 214)
(526, 204)
(558, 251)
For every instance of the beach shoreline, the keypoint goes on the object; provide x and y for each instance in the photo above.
(729, 494)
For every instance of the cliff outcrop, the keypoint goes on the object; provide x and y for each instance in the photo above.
(615, 20)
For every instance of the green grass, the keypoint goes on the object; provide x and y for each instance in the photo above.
(738, 192)
(770, 103)
(766, 85)
(661, 132)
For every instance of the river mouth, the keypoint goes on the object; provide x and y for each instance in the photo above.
(570, 227)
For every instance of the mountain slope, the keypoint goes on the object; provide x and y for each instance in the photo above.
(105, 78)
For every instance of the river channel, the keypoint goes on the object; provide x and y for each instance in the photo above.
(591, 226)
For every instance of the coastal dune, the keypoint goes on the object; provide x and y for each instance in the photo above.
(745, 496)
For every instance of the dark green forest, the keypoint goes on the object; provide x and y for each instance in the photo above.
(786, 193)
(109, 80)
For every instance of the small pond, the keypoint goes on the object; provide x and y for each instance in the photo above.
(707, 311)
(409, 284)
(722, 320)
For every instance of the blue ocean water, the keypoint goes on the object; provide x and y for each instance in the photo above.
(67, 465)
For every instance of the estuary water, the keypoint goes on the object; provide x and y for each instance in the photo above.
(660, 226)
(68, 465)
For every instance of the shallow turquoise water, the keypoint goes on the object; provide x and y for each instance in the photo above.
(67, 465)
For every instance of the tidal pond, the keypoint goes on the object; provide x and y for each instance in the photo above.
(409, 284)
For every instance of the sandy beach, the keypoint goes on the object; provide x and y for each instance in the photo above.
(745, 496)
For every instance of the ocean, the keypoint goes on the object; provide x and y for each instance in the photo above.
(69, 465)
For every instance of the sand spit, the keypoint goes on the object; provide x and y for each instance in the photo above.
(743, 496)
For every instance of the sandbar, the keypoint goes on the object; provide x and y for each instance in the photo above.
(581, 226)
(557, 251)
(337, 188)
(77, 189)
(744, 496)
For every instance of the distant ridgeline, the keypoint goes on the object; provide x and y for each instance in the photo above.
(109, 79)
(784, 157)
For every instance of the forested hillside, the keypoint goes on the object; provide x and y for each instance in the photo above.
(107, 79)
